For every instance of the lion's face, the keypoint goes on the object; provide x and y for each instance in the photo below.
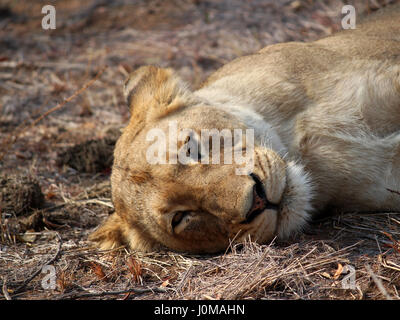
(189, 204)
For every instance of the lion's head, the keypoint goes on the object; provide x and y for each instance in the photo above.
(192, 202)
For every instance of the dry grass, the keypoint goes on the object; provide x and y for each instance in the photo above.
(307, 268)
(40, 70)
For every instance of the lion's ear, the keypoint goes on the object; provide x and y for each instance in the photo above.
(152, 90)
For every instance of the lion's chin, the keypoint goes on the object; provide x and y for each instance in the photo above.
(296, 208)
(289, 217)
(260, 230)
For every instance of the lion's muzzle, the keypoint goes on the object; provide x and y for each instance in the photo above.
(260, 201)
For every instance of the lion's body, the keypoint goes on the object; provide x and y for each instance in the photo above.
(326, 116)
(335, 104)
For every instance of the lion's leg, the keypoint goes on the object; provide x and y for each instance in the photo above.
(353, 173)
(393, 177)
(115, 232)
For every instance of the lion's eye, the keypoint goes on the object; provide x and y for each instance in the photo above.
(178, 217)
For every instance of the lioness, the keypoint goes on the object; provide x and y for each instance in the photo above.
(326, 120)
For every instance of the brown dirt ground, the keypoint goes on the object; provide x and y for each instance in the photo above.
(39, 69)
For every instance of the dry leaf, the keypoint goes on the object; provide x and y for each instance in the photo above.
(50, 224)
(296, 5)
(29, 236)
(135, 269)
(98, 271)
(326, 275)
(61, 281)
(51, 195)
(395, 243)
(126, 296)
(338, 271)
(165, 283)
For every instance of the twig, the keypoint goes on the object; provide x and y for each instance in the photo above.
(88, 201)
(390, 264)
(377, 243)
(5, 291)
(378, 283)
(41, 64)
(393, 191)
(181, 283)
(76, 93)
(74, 295)
(6, 148)
(25, 283)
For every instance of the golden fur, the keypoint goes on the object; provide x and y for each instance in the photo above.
(326, 117)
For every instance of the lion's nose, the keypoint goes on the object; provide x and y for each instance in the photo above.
(260, 202)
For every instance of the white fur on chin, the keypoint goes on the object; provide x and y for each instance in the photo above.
(296, 206)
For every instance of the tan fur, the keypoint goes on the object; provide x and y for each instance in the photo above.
(326, 116)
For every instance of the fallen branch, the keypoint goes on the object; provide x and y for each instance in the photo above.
(74, 295)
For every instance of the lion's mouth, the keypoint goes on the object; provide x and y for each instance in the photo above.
(260, 201)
